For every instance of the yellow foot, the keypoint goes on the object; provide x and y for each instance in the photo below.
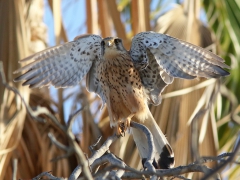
(122, 127)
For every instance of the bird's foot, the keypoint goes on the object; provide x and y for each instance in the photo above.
(122, 127)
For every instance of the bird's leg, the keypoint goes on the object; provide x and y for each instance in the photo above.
(127, 123)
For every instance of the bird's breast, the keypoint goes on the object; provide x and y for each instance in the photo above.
(121, 86)
(118, 70)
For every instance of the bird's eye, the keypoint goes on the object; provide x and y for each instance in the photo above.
(117, 40)
(102, 43)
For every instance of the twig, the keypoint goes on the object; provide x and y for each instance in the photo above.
(15, 165)
(206, 159)
(179, 177)
(135, 174)
(72, 118)
(80, 155)
(91, 148)
(69, 150)
(50, 176)
(97, 154)
(112, 159)
(57, 143)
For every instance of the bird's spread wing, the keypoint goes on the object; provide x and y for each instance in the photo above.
(61, 66)
(174, 59)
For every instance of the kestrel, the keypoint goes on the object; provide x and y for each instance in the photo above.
(126, 81)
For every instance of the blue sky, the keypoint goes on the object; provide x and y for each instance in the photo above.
(73, 15)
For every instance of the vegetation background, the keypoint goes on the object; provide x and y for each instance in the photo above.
(25, 142)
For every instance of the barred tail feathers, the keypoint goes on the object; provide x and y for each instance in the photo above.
(164, 158)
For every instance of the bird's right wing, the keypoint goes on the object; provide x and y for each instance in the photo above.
(61, 66)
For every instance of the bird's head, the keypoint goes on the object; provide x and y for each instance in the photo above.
(111, 45)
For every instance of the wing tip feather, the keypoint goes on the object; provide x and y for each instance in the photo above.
(19, 78)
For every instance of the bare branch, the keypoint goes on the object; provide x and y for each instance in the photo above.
(91, 148)
(179, 177)
(206, 159)
(47, 174)
(135, 174)
(57, 143)
(97, 154)
(69, 150)
(224, 164)
(112, 159)
(72, 118)
(80, 155)
(15, 165)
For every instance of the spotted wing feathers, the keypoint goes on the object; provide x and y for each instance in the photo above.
(177, 58)
(61, 66)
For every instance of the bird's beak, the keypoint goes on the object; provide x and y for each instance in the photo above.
(110, 43)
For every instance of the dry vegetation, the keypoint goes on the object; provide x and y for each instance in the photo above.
(200, 118)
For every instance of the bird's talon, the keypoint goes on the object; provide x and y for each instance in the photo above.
(122, 127)
(121, 130)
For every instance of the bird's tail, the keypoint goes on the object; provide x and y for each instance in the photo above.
(164, 157)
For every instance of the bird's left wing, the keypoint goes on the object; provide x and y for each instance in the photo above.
(154, 79)
(61, 66)
(161, 58)
(177, 58)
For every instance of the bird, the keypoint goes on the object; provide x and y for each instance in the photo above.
(127, 81)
